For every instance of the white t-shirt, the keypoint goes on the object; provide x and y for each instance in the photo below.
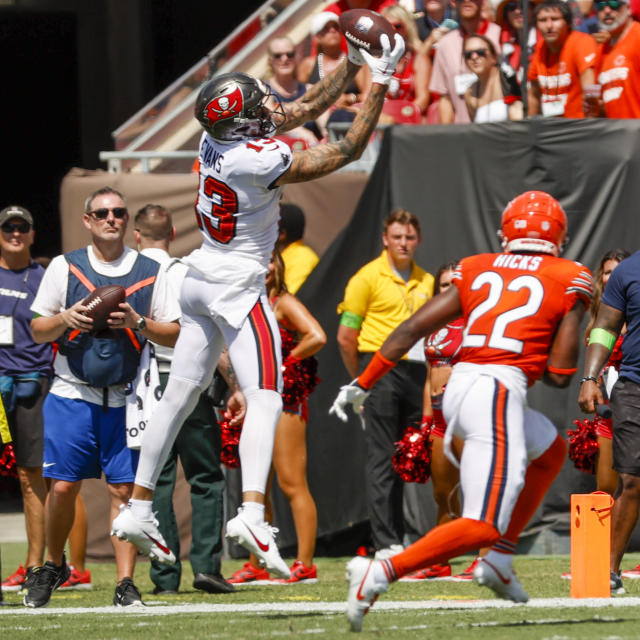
(51, 299)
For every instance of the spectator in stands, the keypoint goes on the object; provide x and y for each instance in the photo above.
(25, 371)
(300, 328)
(410, 81)
(84, 413)
(430, 16)
(344, 5)
(618, 66)
(562, 64)
(325, 29)
(494, 96)
(284, 83)
(585, 18)
(510, 17)
(380, 296)
(299, 259)
(198, 444)
(450, 77)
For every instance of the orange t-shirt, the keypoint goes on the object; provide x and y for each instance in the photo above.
(558, 74)
(512, 304)
(618, 71)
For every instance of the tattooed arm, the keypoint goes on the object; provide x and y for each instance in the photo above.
(319, 97)
(324, 158)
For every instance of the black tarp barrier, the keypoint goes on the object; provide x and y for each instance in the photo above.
(457, 179)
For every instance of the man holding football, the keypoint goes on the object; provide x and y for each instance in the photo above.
(84, 416)
(223, 297)
(522, 311)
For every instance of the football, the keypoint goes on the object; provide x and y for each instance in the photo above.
(363, 28)
(101, 302)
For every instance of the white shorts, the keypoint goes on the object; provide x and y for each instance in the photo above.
(485, 406)
(254, 348)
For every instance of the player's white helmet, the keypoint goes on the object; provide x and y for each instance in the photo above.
(534, 221)
(231, 106)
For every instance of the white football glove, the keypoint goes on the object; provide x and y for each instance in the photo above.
(382, 67)
(353, 54)
(350, 394)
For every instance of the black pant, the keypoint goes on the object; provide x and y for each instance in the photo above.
(625, 415)
(198, 445)
(394, 403)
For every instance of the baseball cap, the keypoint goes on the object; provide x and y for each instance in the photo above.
(14, 211)
(321, 20)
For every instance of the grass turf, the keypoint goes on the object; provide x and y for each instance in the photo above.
(318, 610)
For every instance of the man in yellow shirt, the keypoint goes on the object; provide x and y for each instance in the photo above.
(299, 259)
(379, 297)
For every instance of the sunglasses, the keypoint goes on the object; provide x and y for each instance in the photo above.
(481, 53)
(287, 54)
(22, 227)
(398, 26)
(103, 214)
(511, 6)
(612, 4)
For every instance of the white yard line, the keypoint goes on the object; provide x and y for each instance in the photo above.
(326, 607)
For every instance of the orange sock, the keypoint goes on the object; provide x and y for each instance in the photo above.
(443, 542)
(541, 473)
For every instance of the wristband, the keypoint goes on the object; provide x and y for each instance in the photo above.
(603, 337)
(377, 368)
(562, 372)
(589, 378)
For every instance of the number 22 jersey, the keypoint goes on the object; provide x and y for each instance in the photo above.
(512, 304)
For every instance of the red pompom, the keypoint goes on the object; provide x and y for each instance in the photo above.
(412, 458)
(583, 444)
(299, 376)
(8, 462)
(230, 434)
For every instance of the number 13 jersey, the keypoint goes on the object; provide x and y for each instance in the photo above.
(237, 209)
(512, 304)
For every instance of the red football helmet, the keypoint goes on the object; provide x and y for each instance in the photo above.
(534, 221)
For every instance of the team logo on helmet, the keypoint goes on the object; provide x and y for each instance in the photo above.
(224, 107)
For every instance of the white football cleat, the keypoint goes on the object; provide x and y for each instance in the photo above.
(259, 540)
(364, 589)
(144, 534)
(504, 584)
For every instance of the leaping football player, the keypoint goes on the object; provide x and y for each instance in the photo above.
(522, 311)
(223, 298)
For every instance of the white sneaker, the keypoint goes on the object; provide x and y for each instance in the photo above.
(389, 552)
(259, 540)
(504, 584)
(144, 534)
(363, 589)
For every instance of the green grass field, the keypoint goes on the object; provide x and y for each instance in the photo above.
(442, 610)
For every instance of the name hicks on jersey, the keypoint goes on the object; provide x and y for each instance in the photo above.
(518, 261)
(211, 157)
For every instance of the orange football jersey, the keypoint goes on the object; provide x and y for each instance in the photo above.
(512, 304)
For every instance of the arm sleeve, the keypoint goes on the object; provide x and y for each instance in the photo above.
(273, 159)
(52, 293)
(164, 304)
(438, 82)
(356, 296)
(580, 287)
(614, 292)
(586, 53)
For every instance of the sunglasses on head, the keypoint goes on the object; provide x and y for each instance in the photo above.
(612, 4)
(481, 53)
(288, 54)
(103, 214)
(23, 227)
(511, 6)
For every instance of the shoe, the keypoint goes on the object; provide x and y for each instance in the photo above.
(632, 574)
(45, 580)
(30, 577)
(467, 574)
(616, 584)
(363, 590)
(15, 582)
(127, 594)
(212, 583)
(434, 572)
(77, 580)
(389, 552)
(300, 573)
(504, 584)
(567, 576)
(259, 540)
(248, 574)
(144, 534)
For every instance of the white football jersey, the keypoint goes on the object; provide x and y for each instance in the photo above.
(236, 209)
